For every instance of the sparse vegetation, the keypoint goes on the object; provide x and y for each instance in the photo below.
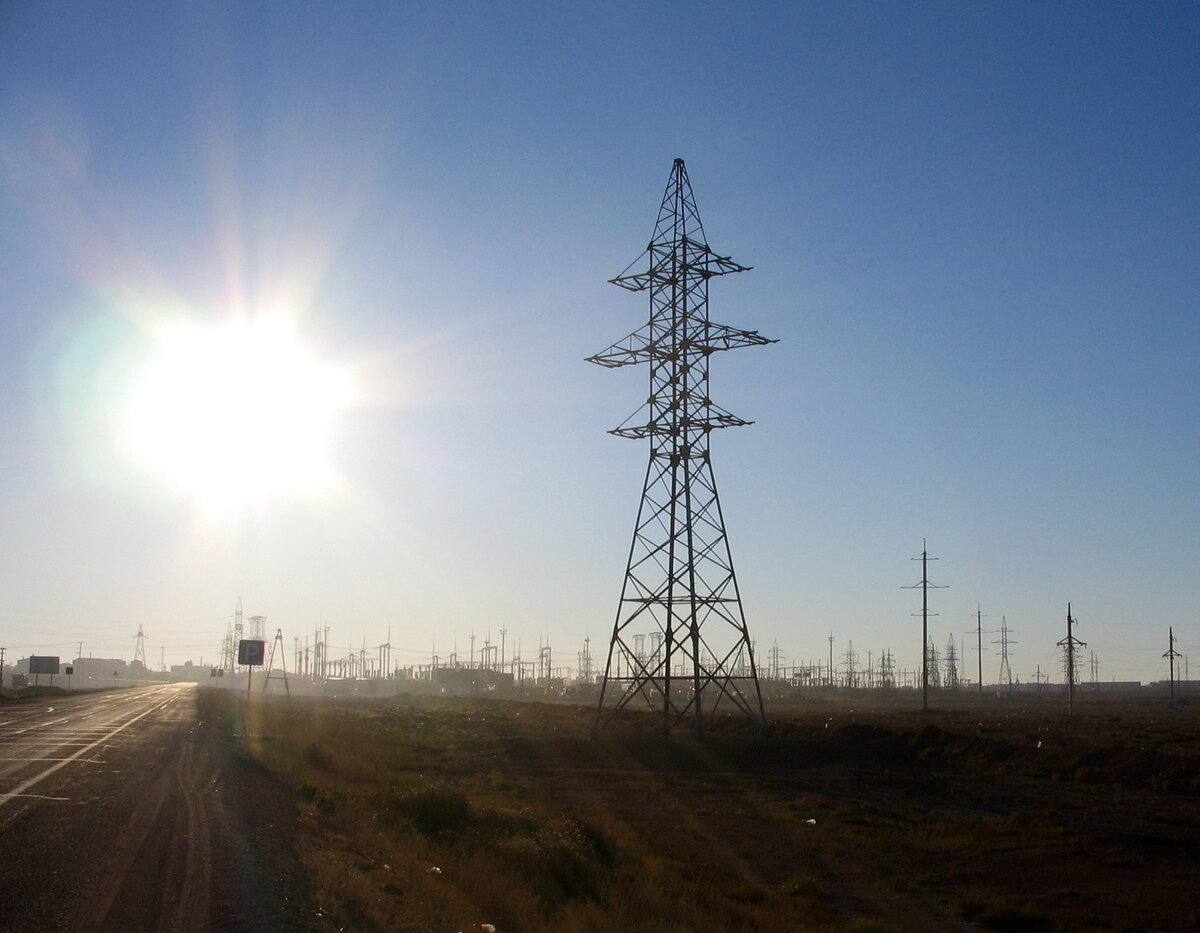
(438, 815)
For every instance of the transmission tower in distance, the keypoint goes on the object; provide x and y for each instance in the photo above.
(951, 680)
(1070, 645)
(679, 581)
(139, 649)
(1005, 670)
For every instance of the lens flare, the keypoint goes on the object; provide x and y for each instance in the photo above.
(237, 412)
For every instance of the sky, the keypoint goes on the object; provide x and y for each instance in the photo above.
(974, 232)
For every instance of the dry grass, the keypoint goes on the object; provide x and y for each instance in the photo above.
(441, 815)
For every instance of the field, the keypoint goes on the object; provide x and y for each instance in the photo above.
(450, 815)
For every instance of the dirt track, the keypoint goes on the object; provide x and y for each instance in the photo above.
(163, 826)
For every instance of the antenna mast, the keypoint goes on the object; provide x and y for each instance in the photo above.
(679, 582)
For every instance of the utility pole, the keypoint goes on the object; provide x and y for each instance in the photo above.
(1171, 655)
(680, 576)
(831, 659)
(1070, 645)
(2, 650)
(979, 643)
(925, 586)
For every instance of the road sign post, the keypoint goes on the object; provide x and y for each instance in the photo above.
(251, 652)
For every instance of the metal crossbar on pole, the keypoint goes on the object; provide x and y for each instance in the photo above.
(925, 586)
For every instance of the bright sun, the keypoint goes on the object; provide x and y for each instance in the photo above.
(235, 412)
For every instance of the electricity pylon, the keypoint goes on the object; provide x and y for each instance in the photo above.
(1070, 645)
(139, 649)
(679, 581)
(1005, 670)
(951, 679)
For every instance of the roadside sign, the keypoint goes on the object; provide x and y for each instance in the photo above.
(252, 651)
(42, 664)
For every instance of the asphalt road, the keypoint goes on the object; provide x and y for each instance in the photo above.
(121, 811)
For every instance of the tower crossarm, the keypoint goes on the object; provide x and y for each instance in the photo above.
(660, 428)
(707, 338)
(676, 259)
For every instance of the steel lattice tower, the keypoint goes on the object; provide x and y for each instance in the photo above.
(680, 583)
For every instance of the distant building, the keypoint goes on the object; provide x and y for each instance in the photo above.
(190, 671)
(100, 668)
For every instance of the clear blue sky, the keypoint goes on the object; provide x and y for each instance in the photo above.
(974, 229)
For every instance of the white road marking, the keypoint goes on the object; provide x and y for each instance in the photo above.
(20, 790)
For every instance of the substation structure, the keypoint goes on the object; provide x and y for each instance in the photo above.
(680, 587)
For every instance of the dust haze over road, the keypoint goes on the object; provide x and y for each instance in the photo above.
(122, 811)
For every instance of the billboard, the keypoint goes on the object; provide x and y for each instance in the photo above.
(250, 651)
(43, 664)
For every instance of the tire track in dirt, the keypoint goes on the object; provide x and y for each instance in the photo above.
(191, 914)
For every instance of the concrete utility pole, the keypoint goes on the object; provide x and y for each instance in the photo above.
(924, 586)
(979, 642)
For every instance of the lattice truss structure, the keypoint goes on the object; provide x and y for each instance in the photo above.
(680, 641)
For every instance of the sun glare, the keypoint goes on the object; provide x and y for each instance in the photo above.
(236, 412)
